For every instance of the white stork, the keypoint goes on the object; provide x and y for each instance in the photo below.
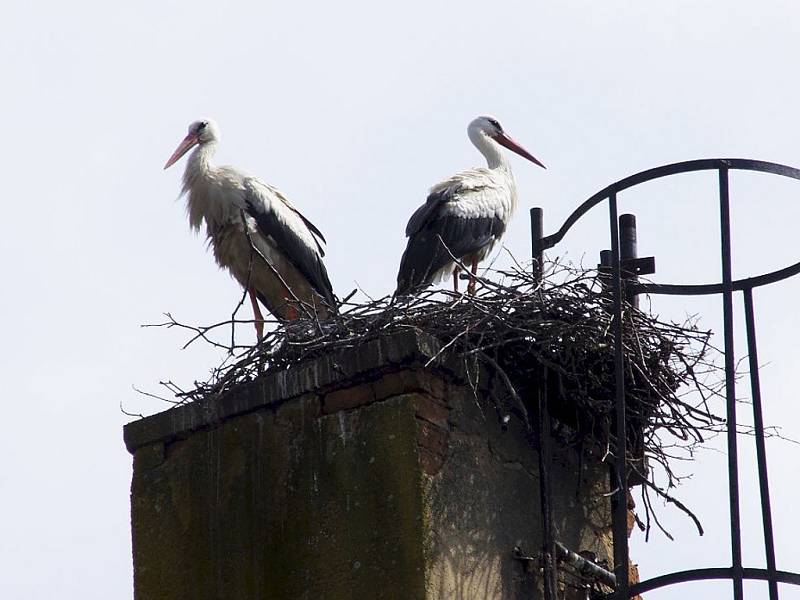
(464, 216)
(264, 241)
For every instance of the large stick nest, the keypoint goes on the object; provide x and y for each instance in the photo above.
(515, 326)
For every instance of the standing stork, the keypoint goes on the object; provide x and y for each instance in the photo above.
(464, 215)
(266, 243)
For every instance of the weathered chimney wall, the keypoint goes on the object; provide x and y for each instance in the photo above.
(364, 474)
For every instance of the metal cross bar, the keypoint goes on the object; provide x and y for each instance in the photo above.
(631, 266)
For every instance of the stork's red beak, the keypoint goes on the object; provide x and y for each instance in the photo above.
(189, 142)
(504, 140)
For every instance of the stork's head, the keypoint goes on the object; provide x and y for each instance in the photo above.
(204, 131)
(489, 127)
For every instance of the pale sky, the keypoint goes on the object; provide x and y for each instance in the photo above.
(353, 109)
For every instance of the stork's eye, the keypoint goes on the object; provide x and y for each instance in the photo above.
(496, 124)
(202, 125)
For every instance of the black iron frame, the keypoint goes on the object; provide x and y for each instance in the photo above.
(737, 573)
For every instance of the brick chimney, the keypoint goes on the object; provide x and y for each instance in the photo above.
(376, 472)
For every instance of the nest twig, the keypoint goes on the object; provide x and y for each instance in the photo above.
(514, 326)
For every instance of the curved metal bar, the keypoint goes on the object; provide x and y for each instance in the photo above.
(711, 573)
(701, 289)
(689, 166)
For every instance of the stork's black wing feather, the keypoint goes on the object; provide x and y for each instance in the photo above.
(313, 228)
(425, 212)
(437, 241)
(301, 255)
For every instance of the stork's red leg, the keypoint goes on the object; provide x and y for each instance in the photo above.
(292, 314)
(259, 318)
(472, 280)
(455, 280)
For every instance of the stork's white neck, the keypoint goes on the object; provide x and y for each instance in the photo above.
(199, 162)
(199, 185)
(495, 158)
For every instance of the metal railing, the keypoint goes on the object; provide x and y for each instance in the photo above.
(737, 573)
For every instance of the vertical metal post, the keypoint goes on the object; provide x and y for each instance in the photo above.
(730, 385)
(629, 251)
(542, 430)
(542, 426)
(761, 450)
(619, 478)
(537, 251)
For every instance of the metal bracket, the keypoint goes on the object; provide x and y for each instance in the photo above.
(632, 266)
(586, 567)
